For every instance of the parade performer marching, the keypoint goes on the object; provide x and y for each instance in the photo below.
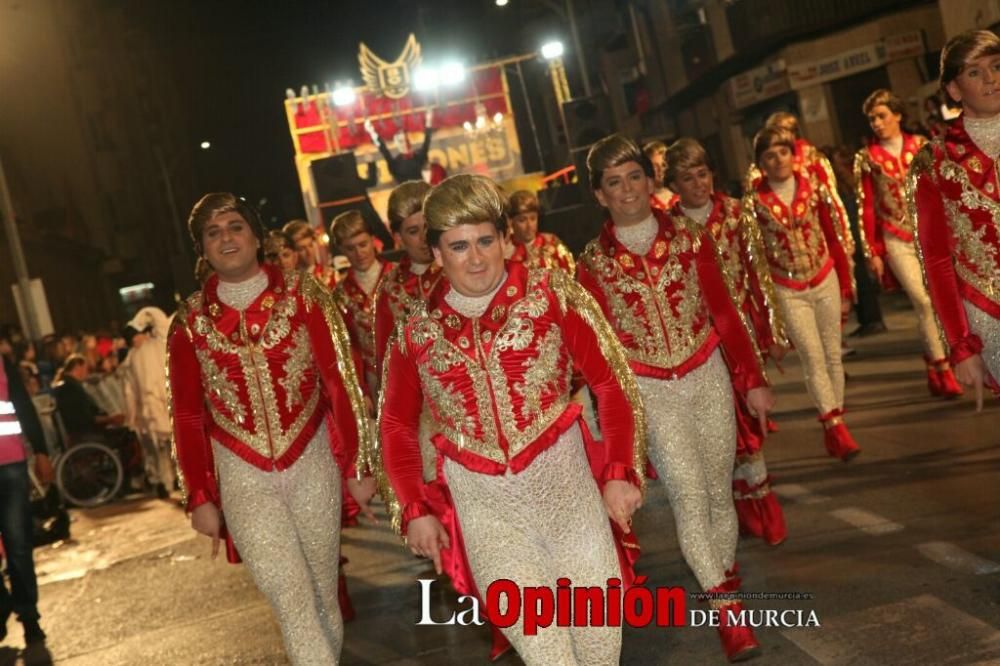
(657, 280)
(532, 248)
(492, 354)
(807, 255)
(953, 194)
(267, 419)
(355, 294)
(880, 170)
(407, 285)
(741, 256)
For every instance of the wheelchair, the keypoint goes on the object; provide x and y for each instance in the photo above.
(92, 471)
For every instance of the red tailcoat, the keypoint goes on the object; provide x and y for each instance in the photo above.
(398, 295)
(358, 310)
(802, 243)
(670, 308)
(261, 381)
(741, 257)
(546, 251)
(954, 196)
(881, 186)
(498, 386)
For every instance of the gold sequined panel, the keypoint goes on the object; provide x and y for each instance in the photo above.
(228, 366)
(523, 373)
(795, 248)
(888, 180)
(663, 321)
(978, 254)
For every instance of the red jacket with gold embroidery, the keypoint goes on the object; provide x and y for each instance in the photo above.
(497, 386)
(546, 251)
(358, 310)
(881, 185)
(741, 256)
(260, 381)
(670, 308)
(954, 197)
(802, 243)
(399, 294)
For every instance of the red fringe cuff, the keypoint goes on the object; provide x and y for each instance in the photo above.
(616, 471)
(415, 509)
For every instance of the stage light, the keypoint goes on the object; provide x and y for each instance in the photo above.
(501, 3)
(452, 73)
(552, 50)
(497, 118)
(205, 145)
(344, 95)
(426, 78)
(467, 126)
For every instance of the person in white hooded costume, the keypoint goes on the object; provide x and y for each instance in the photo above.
(146, 396)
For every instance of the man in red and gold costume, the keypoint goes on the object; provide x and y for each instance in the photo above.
(267, 420)
(657, 279)
(806, 253)
(741, 257)
(880, 170)
(532, 248)
(355, 294)
(954, 196)
(303, 237)
(407, 285)
(492, 354)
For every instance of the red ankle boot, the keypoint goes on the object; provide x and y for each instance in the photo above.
(934, 381)
(950, 388)
(837, 438)
(738, 641)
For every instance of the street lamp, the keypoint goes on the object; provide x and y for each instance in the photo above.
(501, 3)
(205, 145)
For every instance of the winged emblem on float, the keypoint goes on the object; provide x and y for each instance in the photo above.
(391, 79)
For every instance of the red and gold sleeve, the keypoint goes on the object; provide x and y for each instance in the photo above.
(189, 418)
(600, 357)
(838, 250)
(338, 370)
(742, 359)
(934, 248)
(384, 325)
(397, 463)
(768, 325)
(871, 238)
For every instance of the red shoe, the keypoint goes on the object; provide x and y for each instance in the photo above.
(738, 641)
(346, 607)
(772, 520)
(934, 381)
(950, 388)
(837, 438)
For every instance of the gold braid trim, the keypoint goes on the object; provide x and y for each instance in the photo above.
(861, 167)
(177, 327)
(573, 296)
(563, 252)
(922, 166)
(839, 229)
(831, 178)
(374, 459)
(754, 242)
(315, 294)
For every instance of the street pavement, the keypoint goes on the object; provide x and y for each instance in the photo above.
(900, 550)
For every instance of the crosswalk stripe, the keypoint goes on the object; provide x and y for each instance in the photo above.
(798, 493)
(953, 557)
(866, 521)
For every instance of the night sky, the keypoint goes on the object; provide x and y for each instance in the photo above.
(234, 60)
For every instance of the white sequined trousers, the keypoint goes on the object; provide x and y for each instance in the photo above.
(988, 330)
(812, 322)
(691, 426)
(286, 527)
(906, 267)
(534, 527)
